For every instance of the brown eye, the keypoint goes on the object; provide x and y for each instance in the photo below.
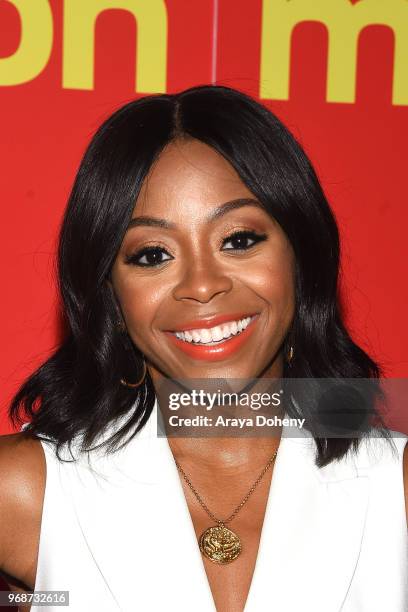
(149, 257)
(243, 240)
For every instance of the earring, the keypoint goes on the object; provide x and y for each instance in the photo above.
(137, 384)
(290, 354)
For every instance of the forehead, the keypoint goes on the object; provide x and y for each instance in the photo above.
(189, 178)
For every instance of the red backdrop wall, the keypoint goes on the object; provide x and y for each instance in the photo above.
(352, 124)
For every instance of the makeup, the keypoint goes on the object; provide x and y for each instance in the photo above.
(218, 350)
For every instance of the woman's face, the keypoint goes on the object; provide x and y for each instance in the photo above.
(203, 258)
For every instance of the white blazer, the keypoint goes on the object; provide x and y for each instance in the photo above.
(118, 534)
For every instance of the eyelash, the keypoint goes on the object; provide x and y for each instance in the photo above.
(134, 259)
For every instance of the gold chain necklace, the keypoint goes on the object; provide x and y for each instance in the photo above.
(220, 544)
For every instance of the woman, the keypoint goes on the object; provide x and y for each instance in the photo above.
(198, 244)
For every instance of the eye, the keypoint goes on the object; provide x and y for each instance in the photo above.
(149, 257)
(243, 240)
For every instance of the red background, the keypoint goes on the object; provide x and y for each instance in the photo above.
(359, 151)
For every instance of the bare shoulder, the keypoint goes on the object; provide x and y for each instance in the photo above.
(22, 469)
(405, 463)
(22, 476)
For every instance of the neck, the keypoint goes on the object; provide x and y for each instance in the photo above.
(229, 455)
(234, 455)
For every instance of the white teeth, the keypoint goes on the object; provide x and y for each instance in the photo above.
(196, 336)
(226, 331)
(234, 328)
(205, 335)
(215, 334)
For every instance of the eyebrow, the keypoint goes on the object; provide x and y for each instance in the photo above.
(218, 212)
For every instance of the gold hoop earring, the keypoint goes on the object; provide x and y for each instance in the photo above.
(137, 384)
(290, 354)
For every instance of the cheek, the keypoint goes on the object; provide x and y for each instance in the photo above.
(140, 301)
(274, 282)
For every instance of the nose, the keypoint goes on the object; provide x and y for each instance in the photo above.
(202, 282)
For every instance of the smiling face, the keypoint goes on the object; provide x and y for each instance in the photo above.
(200, 254)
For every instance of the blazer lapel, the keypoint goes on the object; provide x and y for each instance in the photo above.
(132, 512)
(312, 533)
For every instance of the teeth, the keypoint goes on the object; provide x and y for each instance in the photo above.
(215, 334)
(234, 328)
(226, 331)
(196, 336)
(205, 335)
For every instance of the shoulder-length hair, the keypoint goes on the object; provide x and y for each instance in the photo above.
(77, 391)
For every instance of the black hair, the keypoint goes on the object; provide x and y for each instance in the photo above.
(77, 390)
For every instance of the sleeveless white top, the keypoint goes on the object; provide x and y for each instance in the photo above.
(117, 533)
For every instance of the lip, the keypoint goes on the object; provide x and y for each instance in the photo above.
(216, 352)
(208, 322)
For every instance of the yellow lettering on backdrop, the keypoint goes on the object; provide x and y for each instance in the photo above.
(79, 42)
(35, 45)
(344, 22)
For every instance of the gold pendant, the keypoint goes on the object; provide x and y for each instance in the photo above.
(220, 544)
